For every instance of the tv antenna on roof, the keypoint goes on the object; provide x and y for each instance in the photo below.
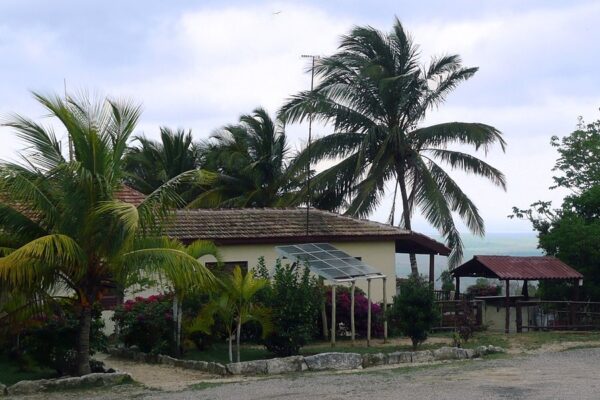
(310, 119)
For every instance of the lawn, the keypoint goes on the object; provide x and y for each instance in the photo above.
(522, 341)
(10, 373)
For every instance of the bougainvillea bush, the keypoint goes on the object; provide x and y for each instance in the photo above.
(361, 307)
(147, 322)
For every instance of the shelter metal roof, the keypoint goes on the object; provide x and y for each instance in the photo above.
(327, 261)
(517, 268)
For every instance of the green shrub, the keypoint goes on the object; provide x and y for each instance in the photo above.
(294, 298)
(50, 341)
(147, 323)
(414, 312)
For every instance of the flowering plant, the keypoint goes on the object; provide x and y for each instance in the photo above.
(146, 322)
(361, 308)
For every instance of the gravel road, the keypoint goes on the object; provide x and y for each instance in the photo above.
(570, 374)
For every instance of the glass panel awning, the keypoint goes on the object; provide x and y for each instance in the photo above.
(328, 262)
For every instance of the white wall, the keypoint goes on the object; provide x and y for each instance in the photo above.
(379, 255)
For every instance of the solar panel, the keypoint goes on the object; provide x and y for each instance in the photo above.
(325, 260)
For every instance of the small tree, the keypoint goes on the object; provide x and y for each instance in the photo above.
(235, 305)
(295, 300)
(413, 312)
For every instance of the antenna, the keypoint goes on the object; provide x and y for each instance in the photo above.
(310, 119)
(68, 136)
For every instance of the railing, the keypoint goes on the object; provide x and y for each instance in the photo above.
(557, 315)
(454, 313)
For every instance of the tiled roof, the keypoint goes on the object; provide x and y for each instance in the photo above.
(517, 268)
(277, 225)
(130, 195)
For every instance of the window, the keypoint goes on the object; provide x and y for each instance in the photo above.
(228, 266)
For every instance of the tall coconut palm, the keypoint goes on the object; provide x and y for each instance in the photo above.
(67, 231)
(252, 162)
(151, 163)
(376, 93)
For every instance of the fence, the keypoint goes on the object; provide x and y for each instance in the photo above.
(454, 314)
(557, 315)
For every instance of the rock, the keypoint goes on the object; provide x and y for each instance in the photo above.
(400, 357)
(445, 353)
(27, 387)
(286, 365)
(2, 389)
(42, 385)
(217, 369)
(201, 366)
(480, 351)
(495, 349)
(134, 349)
(336, 361)
(166, 360)
(257, 367)
(470, 353)
(370, 360)
(422, 356)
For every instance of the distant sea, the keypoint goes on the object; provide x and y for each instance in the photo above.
(512, 244)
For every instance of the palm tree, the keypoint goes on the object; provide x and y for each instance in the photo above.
(376, 93)
(66, 230)
(151, 164)
(252, 163)
(235, 305)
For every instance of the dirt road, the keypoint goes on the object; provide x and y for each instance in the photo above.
(569, 374)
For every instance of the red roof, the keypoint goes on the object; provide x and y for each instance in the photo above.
(517, 268)
(129, 195)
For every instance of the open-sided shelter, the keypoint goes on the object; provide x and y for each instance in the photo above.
(511, 268)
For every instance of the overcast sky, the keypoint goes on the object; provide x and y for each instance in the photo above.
(201, 64)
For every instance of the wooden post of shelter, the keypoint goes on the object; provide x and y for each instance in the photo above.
(525, 291)
(507, 305)
(385, 324)
(457, 289)
(432, 270)
(333, 326)
(352, 324)
(369, 312)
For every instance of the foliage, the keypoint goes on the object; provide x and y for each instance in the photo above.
(361, 308)
(48, 341)
(151, 164)
(294, 298)
(466, 321)
(447, 281)
(484, 287)
(571, 232)
(414, 311)
(375, 93)
(64, 228)
(579, 157)
(235, 305)
(252, 163)
(147, 323)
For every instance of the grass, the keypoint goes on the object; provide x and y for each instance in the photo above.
(10, 373)
(525, 341)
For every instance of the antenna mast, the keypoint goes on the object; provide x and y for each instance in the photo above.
(68, 136)
(310, 119)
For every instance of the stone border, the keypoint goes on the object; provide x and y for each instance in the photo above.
(85, 381)
(317, 362)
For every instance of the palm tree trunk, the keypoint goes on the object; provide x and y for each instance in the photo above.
(238, 333)
(407, 225)
(83, 342)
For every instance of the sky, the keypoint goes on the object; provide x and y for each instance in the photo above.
(201, 64)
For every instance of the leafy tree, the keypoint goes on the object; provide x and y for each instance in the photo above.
(414, 311)
(235, 305)
(294, 298)
(253, 165)
(376, 93)
(151, 164)
(571, 232)
(63, 229)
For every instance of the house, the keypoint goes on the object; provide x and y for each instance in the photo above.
(245, 235)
